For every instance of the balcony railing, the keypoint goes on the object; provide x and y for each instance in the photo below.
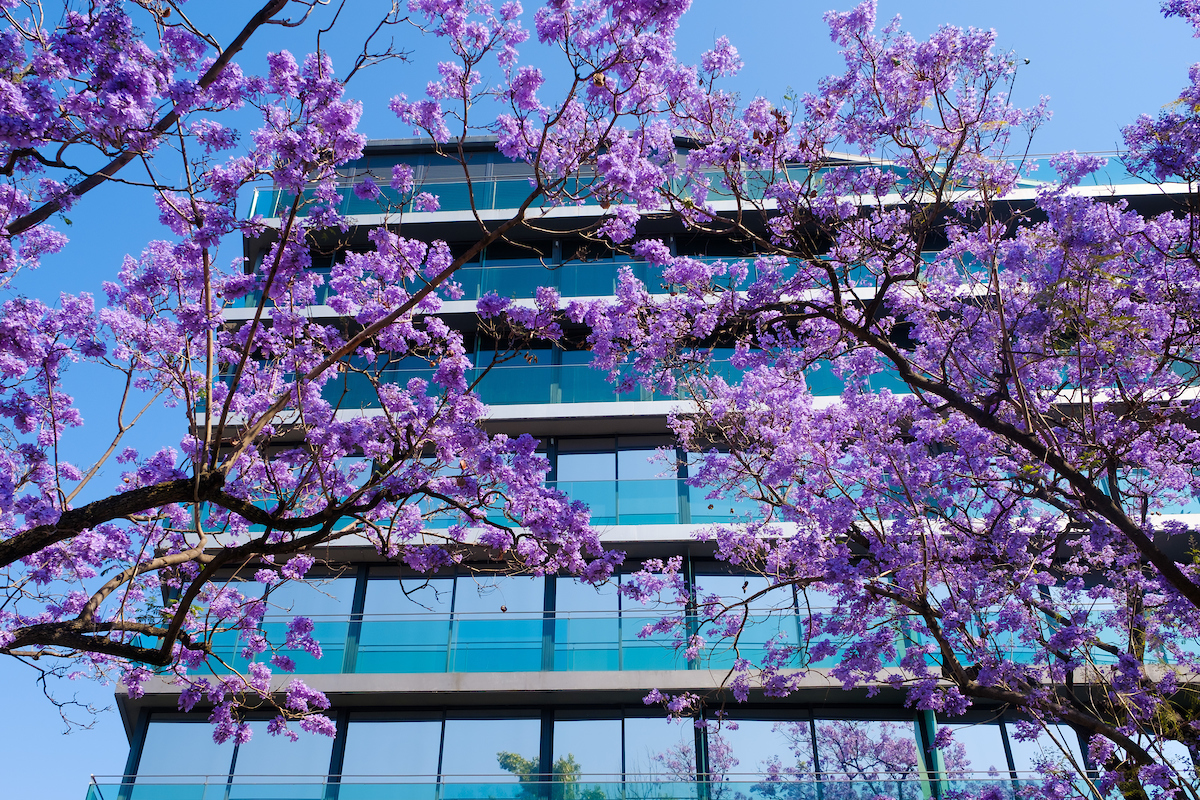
(512, 642)
(519, 384)
(879, 785)
(548, 641)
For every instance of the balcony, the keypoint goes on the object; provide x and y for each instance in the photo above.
(506, 642)
(823, 786)
(552, 384)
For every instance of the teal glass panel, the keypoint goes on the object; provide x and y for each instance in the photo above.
(600, 497)
(470, 277)
(330, 633)
(703, 510)
(526, 383)
(406, 644)
(406, 626)
(355, 205)
(451, 196)
(656, 651)
(587, 279)
(497, 643)
(498, 625)
(365, 789)
(519, 279)
(580, 383)
(586, 642)
(823, 381)
(647, 502)
(156, 789)
(652, 787)
(512, 193)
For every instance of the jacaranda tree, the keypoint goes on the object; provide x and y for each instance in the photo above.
(1002, 507)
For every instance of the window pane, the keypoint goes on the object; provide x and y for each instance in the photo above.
(660, 749)
(589, 747)
(1032, 744)
(274, 766)
(498, 751)
(183, 748)
(587, 628)
(869, 758)
(328, 603)
(977, 748)
(407, 747)
(406, 625)
(642, 463)
(762, 747)
(587, 466)
(498, 624)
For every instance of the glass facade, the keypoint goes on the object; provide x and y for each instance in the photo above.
(595, 754)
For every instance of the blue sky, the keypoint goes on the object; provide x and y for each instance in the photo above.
(1101, 68)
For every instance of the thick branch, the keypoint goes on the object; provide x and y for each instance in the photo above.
(117, 506)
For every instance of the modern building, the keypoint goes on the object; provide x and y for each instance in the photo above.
(465, 685)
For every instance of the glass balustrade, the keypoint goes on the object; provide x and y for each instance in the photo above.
(878, 784)
(548, 642)
(490, 193)
(521, 642)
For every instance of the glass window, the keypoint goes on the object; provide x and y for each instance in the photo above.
(574, 466)
(328, 603)
(587, 748)
(498, 624)
(406, 624)
(742, 748)
(273, 766)
(978, 748)
(315, 598)
(506, 594)
(638, 459)
(660, 749)
(877, 757)
(166, 743)
(1033, 744)
(377, 745)
(500, 750)
(587, 626)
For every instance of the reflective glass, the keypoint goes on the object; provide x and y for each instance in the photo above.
(978, 748)
(327, 602)
(587, 627)
(500, 751)
(587, 466)
(406, 625)
(660, 749)
(166, 740)
(498, 624)
(866, 758)
(379, 746)
(266, 760)
(1057, 744)
(758, 747)
(590, 749)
